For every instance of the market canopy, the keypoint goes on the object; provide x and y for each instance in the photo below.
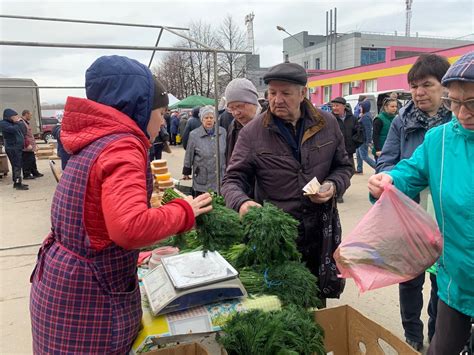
(173, 99)
(193, 101)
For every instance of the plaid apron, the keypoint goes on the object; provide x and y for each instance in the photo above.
(82, 300)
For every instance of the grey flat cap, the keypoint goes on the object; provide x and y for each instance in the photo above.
(290, 72)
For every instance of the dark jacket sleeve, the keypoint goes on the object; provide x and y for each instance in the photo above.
(391, 149)
(367, 124)
(378, 125)
(187, 130)
(240, 170)
(9, 128)
(341, 166)
(358, 134)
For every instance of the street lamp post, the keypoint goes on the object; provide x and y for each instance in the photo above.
(280, 28)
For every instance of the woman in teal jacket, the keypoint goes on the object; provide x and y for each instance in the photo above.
(445, 163)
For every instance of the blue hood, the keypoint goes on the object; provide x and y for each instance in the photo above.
(124, 84)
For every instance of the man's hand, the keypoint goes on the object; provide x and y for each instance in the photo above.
(379, 153)
(244, 208)
(200, 204)
(29, 148)
(326, 192)
(377, 183)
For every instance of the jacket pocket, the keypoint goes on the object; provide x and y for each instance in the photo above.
(322, 145)
(200, 175)
(320, 153)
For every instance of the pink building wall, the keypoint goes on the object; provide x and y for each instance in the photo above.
(390, 75)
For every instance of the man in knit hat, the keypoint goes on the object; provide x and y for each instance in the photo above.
(242, 102)
(282, 150)
(13, 136)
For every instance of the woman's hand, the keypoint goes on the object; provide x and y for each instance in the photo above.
(377, 183)
(378, 153)
(186, 177)
(200, 204)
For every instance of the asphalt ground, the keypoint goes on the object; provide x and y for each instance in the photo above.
(25, 220)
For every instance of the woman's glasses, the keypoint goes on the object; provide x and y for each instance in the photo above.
(455, 105)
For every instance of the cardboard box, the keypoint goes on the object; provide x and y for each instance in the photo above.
(347, 332)
(183, 349)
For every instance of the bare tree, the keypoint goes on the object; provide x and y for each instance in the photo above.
(231, 37)
(189, 73)
(173, 71)
(201, 75)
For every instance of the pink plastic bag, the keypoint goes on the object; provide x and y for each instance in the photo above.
(394, 242)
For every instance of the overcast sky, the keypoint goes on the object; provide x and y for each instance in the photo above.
(55, 66)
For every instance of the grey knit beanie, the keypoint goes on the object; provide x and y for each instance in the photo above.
(205, 110)
(241, 90)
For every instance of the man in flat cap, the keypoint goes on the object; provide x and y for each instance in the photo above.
(283, 149)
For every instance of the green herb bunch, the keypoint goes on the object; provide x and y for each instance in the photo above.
(169, 195)
(292, 282)
(289, 331)
(220, 228)
(271, 235)
(233, 253)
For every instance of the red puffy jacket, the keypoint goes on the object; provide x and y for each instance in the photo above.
(116, 207)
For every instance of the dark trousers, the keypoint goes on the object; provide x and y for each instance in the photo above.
(455, 329)
(411, 305)
(156, 151)
(173, 138)
(29, 164)
(15, 157)
(362, 154)
(432, 307)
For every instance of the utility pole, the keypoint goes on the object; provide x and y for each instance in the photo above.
(408, 17)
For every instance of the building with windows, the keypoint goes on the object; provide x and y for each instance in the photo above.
(348, 50)
(248, 66)
(391, 74)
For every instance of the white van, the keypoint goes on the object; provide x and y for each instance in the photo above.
(377, 98)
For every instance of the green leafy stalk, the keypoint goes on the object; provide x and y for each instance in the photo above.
(169, 195)
(289, 331)
(252, 280)
(272, 236)
(220, 228)
(292, 282)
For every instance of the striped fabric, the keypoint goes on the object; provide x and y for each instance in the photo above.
(82, 301)
(461, 70)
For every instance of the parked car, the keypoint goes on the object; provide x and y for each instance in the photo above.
(47, 126)
(377, 98)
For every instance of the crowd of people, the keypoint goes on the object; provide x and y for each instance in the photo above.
(268, 153)
(20, 146)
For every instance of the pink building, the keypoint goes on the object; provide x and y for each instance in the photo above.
(390, 75)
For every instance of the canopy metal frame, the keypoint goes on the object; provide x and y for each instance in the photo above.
(170, 29)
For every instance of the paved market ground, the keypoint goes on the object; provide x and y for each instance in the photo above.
(25, 220)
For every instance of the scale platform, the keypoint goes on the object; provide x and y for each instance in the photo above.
(191, 279)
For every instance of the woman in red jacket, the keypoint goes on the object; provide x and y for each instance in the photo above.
(84, 294)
